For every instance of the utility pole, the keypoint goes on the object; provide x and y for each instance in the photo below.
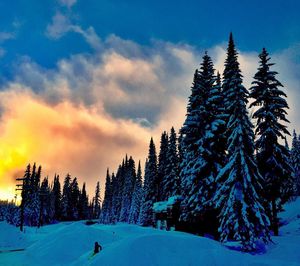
(21, 187)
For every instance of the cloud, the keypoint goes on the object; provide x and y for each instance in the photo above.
(67, 3)
(288, 67)
(59, 26)
(62, 137)
(89, 35)
(86, 113)
(4, 36)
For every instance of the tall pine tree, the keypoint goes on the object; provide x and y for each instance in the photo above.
(272, 157)
(105, 216)
(150, 187)
(242, 215)
(136, 197)
(162, 164)
(171, 181)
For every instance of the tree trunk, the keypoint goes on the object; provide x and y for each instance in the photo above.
(274, 218)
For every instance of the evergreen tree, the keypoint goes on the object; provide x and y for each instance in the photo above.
(83, 207)
(115, 196)
(162, 164)
(295, 161)
(32, 210)
(75, 195)
(57, 197)
(242, 215)
(66, 199)
(107, 202)
(118, 193)
(272, 157)
(192, 131)
(136, 197)
(97, 201)
(129, 182)
(37, 178)
(46, 212)
(205, 157)
(150, 187)
(171, 181)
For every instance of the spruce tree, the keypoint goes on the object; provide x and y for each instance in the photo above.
(171, 181)
(272, 157)
(205, 156)
(75, 194)
(162, 164)
(83, 204)
(150, 187)
(242, 215)
(57, 197)
(295, 161)
(115, 196)
(130, 177)
(97, 201)
(136, 197)
(46, 212)
(105, 216)
(66, 199)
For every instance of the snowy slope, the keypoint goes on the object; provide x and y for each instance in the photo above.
(72, 244)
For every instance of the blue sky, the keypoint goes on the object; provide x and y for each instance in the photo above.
(274, 24)
(91, 80)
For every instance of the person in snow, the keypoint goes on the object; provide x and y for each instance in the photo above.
(97, 248)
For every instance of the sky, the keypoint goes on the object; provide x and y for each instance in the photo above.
(82, 83)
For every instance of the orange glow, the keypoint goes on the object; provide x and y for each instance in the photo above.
(62, 138)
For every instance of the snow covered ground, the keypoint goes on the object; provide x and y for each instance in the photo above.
(72, 244)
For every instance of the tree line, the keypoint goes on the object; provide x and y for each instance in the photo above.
(43, 202)
(232, 170)
(233, 173)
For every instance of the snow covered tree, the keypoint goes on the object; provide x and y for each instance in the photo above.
(272, 157)
(162, 164)
(105, 216)
(171, 181)
(75, 194)
(136, 197)
(205, 155)
(242, 216)
(66, 199)
(97, 200)
(83, 204)
(129, 182)
(295, 161)
(57, 197)
(150, 187)
(190, 134)
(115, 203)
(46, 212)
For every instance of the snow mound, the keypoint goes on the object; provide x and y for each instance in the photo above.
(67, 244)
(176, 249)
(11, 237)
(291, 211)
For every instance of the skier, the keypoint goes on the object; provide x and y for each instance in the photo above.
(97, 248)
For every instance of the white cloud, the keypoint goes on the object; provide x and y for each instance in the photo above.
(89, 35)
(59, 26)
(68, 3)
(4, 36)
